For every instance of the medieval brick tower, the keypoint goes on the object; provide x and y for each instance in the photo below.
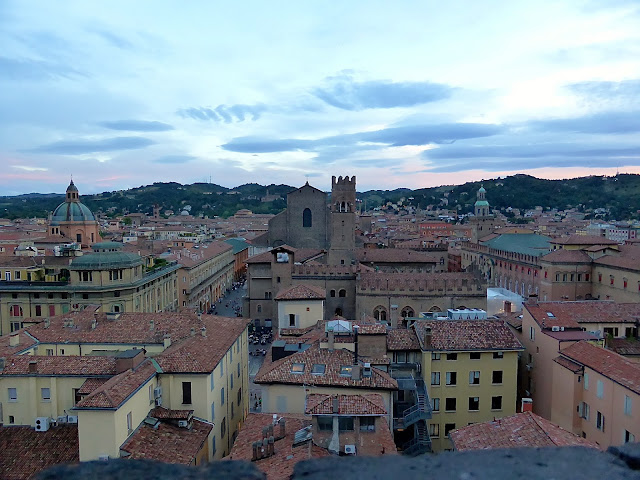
(343, 220)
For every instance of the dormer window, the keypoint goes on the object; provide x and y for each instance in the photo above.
(318, 369)
(297, 368)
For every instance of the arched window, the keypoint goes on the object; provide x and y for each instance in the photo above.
(16, 311)
(435, 308)
(332, 293)
(342, 293)
(380, 313)
(306, 218)
(343, 207)
(407, 312)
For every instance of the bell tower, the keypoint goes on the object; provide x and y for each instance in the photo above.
(342, 222)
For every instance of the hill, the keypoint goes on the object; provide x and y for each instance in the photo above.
(619, 194)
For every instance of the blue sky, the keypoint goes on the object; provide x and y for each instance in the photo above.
(400, 94)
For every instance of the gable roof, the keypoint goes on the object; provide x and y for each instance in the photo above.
(301, 292)
(606, 363)
(573, 314)
(464, 335)
(402, 339)
(59, 365)
(322, 404)
(520, 430)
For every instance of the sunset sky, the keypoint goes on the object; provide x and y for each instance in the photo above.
(401, 94)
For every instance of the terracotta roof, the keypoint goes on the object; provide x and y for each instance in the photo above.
(90, 384)
(25, 342)
(606, 363)
(115, 391)
(280, 465)
(566, 256)
(280, 370)
(322, 404)
(449, 335)
(394, 255)
(520, 430)
(60, 365)
(624, 346)
(190, 258)
(371, 328)
(402, 339)
(572, 314)
(162, 413)
(513, 319)
(301, 292)
(201, 354)
(583, 240)
(26, 452)
(629, 258)
(568, 364)
(167, 443)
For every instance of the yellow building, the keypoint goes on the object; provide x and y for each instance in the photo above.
(470, 368)
(299, 307)
(110, 372)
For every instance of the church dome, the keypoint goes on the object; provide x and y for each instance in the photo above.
(72, 210)
(482, 190)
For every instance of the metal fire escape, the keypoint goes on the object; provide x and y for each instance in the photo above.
(415, 415)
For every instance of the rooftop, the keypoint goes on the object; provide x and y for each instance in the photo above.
(520, 430)
(573, 314)
(322, 404)
(402, 339)
(524, 243)
(301, 292)
(464, 335)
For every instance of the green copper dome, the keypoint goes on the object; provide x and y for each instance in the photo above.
(105, 261)
(72, 212)
(482, 203)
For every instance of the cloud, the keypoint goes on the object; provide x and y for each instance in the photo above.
(113, 39)
(528, 156)
(606, 122)
(626, 89)
(137, 126)
(222, 113)
(346, 94)
(79, 147)
(27, 69)
(174, 159)
(27, 168)
(393, 136)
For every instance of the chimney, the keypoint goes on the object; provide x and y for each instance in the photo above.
(355, 372)
(152, 324)
(259, 450)
(331, 339)
(355, 344)
(254, 455)
(533, 299)
(270, 449)
(47, 323)
(33, 366)
(167, 341)
(336, 405)
(427, 337)
(193, 331)
(507, 306)
(3, 360)
(94, 323)
(203, 331)
(199, 315)
(14, 340)
(282, 425)
(526, 405)
(394, 316)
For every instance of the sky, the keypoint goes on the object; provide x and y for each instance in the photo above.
(409, 94)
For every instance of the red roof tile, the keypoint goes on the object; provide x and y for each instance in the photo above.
(167, 443)
(568, 364)
(583, 240)
(402, 339)
(521, 430)
(162, 413)
(322, 404)
(60, 365)
(90, 384)
(450, 335)
(26, 452)
(566, 256)
(572, 314)
(301, 292)
(605, 362)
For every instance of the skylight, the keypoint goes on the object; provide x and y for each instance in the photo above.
(318, 369)
(345, 370)
(550, 315)
(297, 368)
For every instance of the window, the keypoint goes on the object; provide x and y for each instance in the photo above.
(451, 378)
(474, 403)
(450, 404)
(474, 356)
(306, 218)
(496, 403)
(129, 423)
(52, 310)
(267, 295)
(223, 427)
(586, 381)
(222, 396)
(186, 393)
(448, 427)
(49, 352)
(452, 356)
(345, 424)
(238, 369)
(231, 382)
(342, 293)
(259, 308)
(629, 437)
(434, 430)
(496, 377)
(292, 319)
(627, 405)
(401, 357)
(435, 378)
(474, 378)
(345, 370)
(367, 424)
(222, 368)
(435, 356)
(16, 311)
(45, 394)
(435, 404)
(583, 410)
(239, 396)
(532, 334)
(332, 293)
(151, 398)
(325, 424)
(297, 368)
(600, 421)
(213, 411)
(498, 355)
(318, 369)
(211, 382)
(13, 394)
(38, 310)
(600, 389)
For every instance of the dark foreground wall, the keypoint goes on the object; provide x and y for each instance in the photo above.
(526, 463)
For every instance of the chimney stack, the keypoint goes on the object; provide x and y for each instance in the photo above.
(152, 324)
(336, 405)
(331, 336)
(533, 299)
(281, 423)
(507, 306)
(260, 450)
(254, 455)
(203, 331)
(427, 337)
(270, 448)
(3, 361)
(355, 343)
(14, 340)
(193, 331)
(394, 316)
(526, 405)
(94, 323)
(167, 341)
